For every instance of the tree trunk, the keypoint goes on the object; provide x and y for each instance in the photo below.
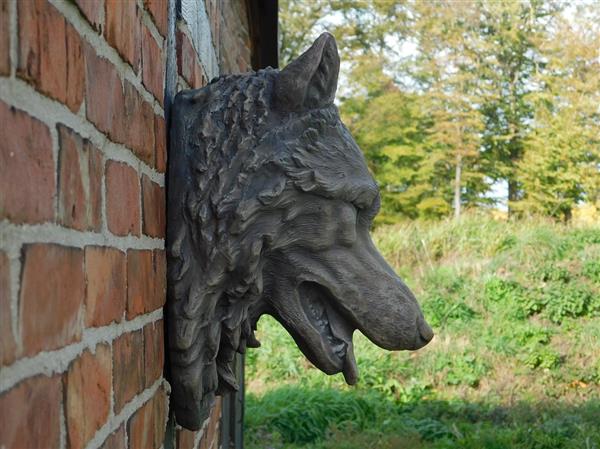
(457, 185)
(513, 195)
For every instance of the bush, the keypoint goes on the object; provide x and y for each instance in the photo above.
(543, 358)
(506, 300)
(566, 301)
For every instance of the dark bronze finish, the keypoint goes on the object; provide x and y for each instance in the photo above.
(269, 208)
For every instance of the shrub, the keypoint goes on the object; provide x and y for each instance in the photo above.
(568, 301)
(591, 270)
(533, 336)
(543, 358)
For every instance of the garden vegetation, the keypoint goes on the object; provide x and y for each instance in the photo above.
(514, 364)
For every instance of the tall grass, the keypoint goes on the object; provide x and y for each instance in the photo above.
(516, 310)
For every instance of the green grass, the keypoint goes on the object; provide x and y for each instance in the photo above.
(515, 362)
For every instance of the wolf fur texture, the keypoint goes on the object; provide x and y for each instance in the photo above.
(270, 202)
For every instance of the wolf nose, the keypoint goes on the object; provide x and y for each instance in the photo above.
(425, 331)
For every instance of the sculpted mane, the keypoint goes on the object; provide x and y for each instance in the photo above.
(231, 117)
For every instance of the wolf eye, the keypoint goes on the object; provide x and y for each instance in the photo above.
(368, 214)
(347, 224)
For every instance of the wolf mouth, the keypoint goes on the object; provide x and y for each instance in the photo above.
(334, 329)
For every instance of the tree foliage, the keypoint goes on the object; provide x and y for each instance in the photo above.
(449, 99)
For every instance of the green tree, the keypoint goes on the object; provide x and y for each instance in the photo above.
(447, 97)
(301, 22)
(561, 164)
(510, 55)
(390, 127)
(447, 68)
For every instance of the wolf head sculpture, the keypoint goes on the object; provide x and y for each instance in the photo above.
(269, 208)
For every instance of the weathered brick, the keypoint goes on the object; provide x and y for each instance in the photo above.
(158, 9)
(106, 285)
(146, 286)
(92, 10)
(117, 108)
(153, 208)
(116, 440)
(154, 352)
(128, 367)
(153, 65)
(122, 30)
(187, 62)
(4, 38)
(160, 279)
(31, 414)
(210, 439)
(80, 182)
(138, 124)
(105, 93)
(160, 139)
(52, 292)
(122, 199)
(139, 288)
(7, 340)
(146, 428)
(26, 169)
(185, 439)
(50, 53)
(87, 385)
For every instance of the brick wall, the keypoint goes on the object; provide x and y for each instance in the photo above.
(83, 90)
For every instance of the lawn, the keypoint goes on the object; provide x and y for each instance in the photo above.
(515, 362)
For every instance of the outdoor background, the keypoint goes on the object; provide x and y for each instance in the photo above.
(480, 121)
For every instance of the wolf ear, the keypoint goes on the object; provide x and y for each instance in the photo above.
(309, 81)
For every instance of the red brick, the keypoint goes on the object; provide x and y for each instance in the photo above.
(158, 10)
(153, 208)
(31, 414)
(122, 30)
(106, 285)
(50, 53)
(52, 292)
(105, 88)
(88, 390)
(154, 351)
(140, 285)
(160, 139)
(26, 168)
(153, 65)
(160, 279)
(185, 439)
(116, 440)
(7, 341)
(119, 111)
(210, 439)
(92, 10)
(144, 292)
(128, 367)
(122, 199)
(146, 428)
(79, 189)
(187, 64)
(138, 124)
(4, 38)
